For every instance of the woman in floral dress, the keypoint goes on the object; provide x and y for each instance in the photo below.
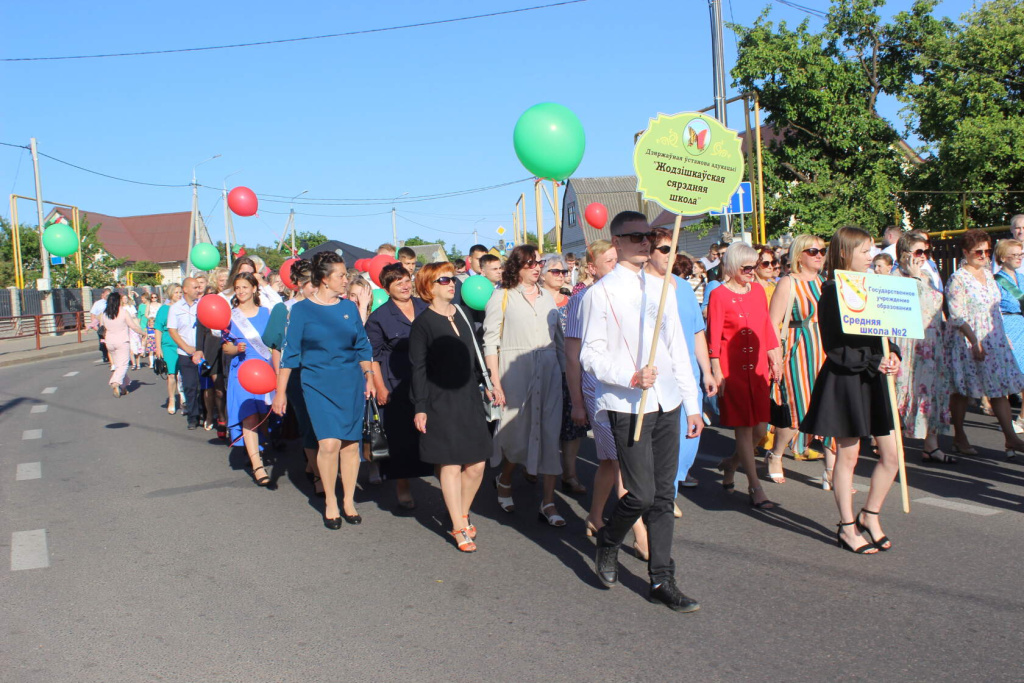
(980, 355)
(1011, 287)
(922, 385)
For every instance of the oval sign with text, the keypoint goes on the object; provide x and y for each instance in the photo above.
(688, 163)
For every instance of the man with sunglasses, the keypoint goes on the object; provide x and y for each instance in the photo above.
(619, 316)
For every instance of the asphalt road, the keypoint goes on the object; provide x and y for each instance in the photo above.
(164, 562)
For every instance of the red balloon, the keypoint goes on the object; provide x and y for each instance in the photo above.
(214, 312)
(361, 264)
(596, 215)
(257, 376)
(286, 273)
(377, 264)
(243, 201)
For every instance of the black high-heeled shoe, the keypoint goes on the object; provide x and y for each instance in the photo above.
(864, 530)
(862, 550)
(725, 469)
(764, 504)
(332, 524)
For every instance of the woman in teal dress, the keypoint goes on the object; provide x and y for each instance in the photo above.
(326, 339)
(165, 346)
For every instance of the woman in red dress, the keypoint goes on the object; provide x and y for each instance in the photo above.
(743, 345)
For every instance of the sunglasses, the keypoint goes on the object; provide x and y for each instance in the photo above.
(445, 280)
(769, 264)
(982, 252)
(636, 237)
(533, 263)
(747, 270)
(815, 251)
(559, 271)
(664, 249)
(922, 252)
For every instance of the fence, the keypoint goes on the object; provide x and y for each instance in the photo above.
(14, 327)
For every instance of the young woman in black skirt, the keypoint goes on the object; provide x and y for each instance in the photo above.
(851, 400)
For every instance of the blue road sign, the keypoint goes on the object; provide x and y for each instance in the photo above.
(742, 201)
(56, 260)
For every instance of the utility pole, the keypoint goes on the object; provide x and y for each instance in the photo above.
(193, 220)
(394, 228)
(43, 256)
(229, 228)
(718, 74)
(540, 216)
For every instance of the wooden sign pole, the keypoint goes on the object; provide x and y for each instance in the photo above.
(897, 431)
(657, 321)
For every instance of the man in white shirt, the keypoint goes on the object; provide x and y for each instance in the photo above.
(619, 314)
(181, 323)
(98, 309)
(473, 261)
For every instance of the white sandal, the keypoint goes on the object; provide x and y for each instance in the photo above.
(554, 519)
(504, 502)
(776, 477)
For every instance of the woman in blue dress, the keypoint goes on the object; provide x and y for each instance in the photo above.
(327, 340)
(245, 410)
(1011, 288)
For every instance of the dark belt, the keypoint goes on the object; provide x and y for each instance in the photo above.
(797, 324)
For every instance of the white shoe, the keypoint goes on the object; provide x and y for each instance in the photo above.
(1018, 427)
(170, 409)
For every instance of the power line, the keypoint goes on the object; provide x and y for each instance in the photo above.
(447, 232)
(296, 40)
(327, 215)
(809, 10)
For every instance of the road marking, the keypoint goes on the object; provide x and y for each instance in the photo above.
(30, 434)
(953, 504)
(29, 470)
(40, 408)
(28, 550)
(71, 374)
(50, 390)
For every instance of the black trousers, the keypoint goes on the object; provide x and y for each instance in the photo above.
(103, 347)
(648, 469)
(190, 382)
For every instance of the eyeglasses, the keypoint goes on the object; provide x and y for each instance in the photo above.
(664, 249)
(982, 252)
(747, 270)
(1017, 255)
(559, 271)
(636, 237)
(769, 264)
(816, 251)
(926, 252)
(534, 263)
(445, 280)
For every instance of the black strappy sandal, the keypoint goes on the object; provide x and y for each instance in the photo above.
(864, 530)
(261, 481)
(929, 458)
(724, 468)
(862, 550)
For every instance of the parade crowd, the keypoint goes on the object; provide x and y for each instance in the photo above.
(751, 340)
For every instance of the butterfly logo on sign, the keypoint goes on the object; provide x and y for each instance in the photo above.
(698, 134)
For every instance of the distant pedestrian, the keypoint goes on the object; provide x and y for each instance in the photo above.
(166, 348)
(95, 312)
(118, 322)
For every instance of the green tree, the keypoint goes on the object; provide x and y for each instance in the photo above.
(98, 267)
(145, 273)
(29, 253)
(549, 246)
(962, 86)
(839, 161)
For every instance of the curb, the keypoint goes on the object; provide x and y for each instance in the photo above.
(42, 355)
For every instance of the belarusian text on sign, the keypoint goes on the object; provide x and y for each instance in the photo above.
(689, 163)
(879, 305)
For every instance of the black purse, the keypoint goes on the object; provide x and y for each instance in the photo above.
(160, 367)
(373, 431)
(779, 415)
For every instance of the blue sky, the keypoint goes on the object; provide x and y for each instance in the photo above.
(423, 111)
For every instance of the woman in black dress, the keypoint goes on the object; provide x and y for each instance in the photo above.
(851, 399)
(446, 377)
(388, 328)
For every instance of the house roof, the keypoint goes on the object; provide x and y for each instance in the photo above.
(350, 253)
(617, 193)
(160, 237)
(428, 250)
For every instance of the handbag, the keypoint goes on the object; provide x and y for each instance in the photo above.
(160, 367)
(779, 415)
(491, 411)
(373, 431)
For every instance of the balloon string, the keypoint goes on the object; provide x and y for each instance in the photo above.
(260, 424)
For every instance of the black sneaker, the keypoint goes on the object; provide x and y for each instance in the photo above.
(606, 563)
(669, 595)
(193, 425)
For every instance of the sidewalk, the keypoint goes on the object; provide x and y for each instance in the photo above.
(23, 350)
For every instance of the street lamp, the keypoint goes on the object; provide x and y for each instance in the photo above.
(195, 214)
(394, 228)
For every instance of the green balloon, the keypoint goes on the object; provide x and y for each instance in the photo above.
(379, 297)
(60, 239)
(205, 256)
(549, 141)
(476, 290)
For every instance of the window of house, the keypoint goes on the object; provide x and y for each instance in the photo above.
(571, 214)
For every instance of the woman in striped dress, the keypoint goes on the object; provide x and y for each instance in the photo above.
(803, 354)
